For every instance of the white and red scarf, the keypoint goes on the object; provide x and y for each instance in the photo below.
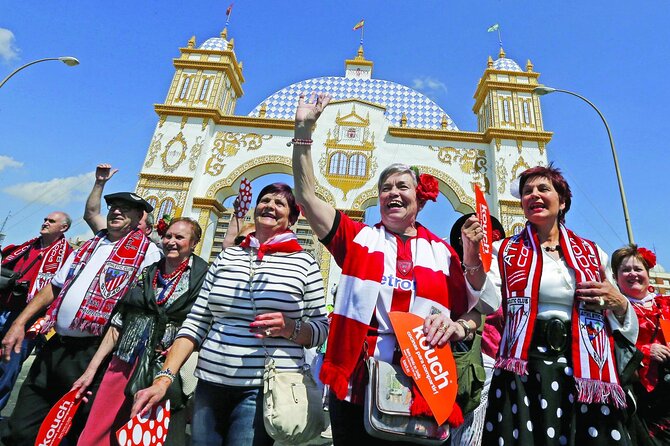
(53, 257)
(111, 282)
(439, 286)
(520, 261)
(284, 242)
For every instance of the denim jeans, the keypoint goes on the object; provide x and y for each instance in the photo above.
(9, 371)
(228, 416)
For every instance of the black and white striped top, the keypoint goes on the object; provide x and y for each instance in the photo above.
(290, 283)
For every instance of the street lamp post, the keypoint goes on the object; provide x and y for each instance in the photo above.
(541, 91)
(67, 60)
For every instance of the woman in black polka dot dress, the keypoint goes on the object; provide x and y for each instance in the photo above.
(555, 381)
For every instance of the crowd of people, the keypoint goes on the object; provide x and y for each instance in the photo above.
(123, 318)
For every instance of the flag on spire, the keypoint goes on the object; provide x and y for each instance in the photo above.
(493, 28)
(359, 25)
(229, 10)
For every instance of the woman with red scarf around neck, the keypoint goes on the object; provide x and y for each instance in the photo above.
(397, 265)
(262, 297)
(556, 380)
(631, 266)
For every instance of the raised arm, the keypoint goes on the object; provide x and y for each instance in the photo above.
(319, 214)
(92, 216)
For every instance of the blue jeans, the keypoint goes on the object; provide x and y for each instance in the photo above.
(9, 371)
(228, 416)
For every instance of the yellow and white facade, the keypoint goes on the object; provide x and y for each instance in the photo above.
(201, 149)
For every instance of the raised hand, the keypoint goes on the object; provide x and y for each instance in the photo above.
(309, 111)
(104, 172)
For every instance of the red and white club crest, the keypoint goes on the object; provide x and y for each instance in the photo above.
(517, 319)
(598, 342)
(114, 278)
(148, 430)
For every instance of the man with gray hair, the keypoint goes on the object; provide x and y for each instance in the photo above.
(36, 261)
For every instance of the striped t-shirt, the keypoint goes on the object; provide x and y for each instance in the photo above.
(219, 320)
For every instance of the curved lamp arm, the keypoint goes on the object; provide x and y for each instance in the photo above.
(67, 60)
(541, 91)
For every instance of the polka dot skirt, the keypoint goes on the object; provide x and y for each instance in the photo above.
(541, 408)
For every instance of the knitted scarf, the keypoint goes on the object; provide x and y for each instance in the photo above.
(52, 259)
(284, 242)
(359, 289)
(520, 261)
(111, 282)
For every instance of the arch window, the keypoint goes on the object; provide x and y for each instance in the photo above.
(525, 105)
(505, 110)
(357, 165)
(167, 207)
(338, 164)
(184, 87)
(205, 89)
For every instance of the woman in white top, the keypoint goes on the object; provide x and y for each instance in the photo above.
(556, 379)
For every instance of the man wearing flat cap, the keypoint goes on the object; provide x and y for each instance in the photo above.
(80, 301)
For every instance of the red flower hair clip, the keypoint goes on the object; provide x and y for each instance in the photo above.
(427, 187)
(648, 256)
(162, 225)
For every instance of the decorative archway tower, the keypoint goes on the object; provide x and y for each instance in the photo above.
(200, 149)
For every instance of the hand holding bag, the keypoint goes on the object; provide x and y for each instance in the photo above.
(387, 408)
(292, 410)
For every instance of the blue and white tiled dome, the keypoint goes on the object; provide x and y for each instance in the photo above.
(215, 43)
(421, 112)
(506, 64)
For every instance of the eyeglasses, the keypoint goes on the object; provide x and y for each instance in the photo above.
(121, 206)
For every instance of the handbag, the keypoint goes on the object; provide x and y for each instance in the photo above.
(292, 410)
(8, 279)
(387, 408)
(143, 377)
(470, 371)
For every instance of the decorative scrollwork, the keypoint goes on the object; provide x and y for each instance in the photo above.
(154, 148)
(501, 176)
(227, 144)
(471, 161)
(195, 153)
(174, 153)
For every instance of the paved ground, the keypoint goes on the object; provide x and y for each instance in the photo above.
(26, 366)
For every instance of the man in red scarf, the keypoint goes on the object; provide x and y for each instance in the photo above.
(37, 260)
(80, 301)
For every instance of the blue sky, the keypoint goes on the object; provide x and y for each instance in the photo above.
(58, 122)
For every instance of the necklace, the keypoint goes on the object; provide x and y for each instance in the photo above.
(556, 248)
(168, 282)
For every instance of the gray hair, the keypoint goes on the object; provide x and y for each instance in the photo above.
(67, 218)
(393, 169)
(150, 220)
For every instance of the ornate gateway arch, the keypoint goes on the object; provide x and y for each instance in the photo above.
(201, 149)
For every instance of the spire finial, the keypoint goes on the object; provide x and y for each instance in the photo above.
(489, 63)
(191, 42)
(224, 33)
(529, 66)
(231, 44)
(501, 54)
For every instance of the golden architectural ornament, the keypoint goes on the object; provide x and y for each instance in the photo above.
(444, 123)
(184, 120)
(264, 109)
(501, 176)
(519, 167)
(174, 153)
(529, 66)
(403, 120)
(283, 161)
(471, 161)
(511, 216)
(196, 150)
(231, 44)
(154, 148)
(541, 146)
(191, 42)
(227, 144)
(519, 146)
(498, 142)
(224, 33)
(161, 120)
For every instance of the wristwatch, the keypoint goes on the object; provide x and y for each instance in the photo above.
(469, 331)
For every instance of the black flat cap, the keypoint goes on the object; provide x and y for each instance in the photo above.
(130, 197)
(455, 233)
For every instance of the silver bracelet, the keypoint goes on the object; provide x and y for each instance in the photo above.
(296, 330)
(165, 373)
(471, 269)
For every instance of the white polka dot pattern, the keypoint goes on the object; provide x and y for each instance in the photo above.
(149, 430)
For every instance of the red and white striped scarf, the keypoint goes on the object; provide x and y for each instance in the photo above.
(284, 242)
(367, 264)
(520, 261)
(111, 282)
(53, 257)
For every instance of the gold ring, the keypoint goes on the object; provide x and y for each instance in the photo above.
(443, 327)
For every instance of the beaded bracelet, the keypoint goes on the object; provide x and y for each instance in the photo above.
(300, 142)
(165, 373)
(471, 269)
(296, 330)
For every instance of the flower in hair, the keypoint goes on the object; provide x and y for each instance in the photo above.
(648, 257)
(496, 235)
(162, 225)
(427, 188)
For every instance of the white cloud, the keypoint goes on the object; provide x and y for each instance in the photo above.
(429, 85)
(8, 51)
(7, 161)
(58, 191)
